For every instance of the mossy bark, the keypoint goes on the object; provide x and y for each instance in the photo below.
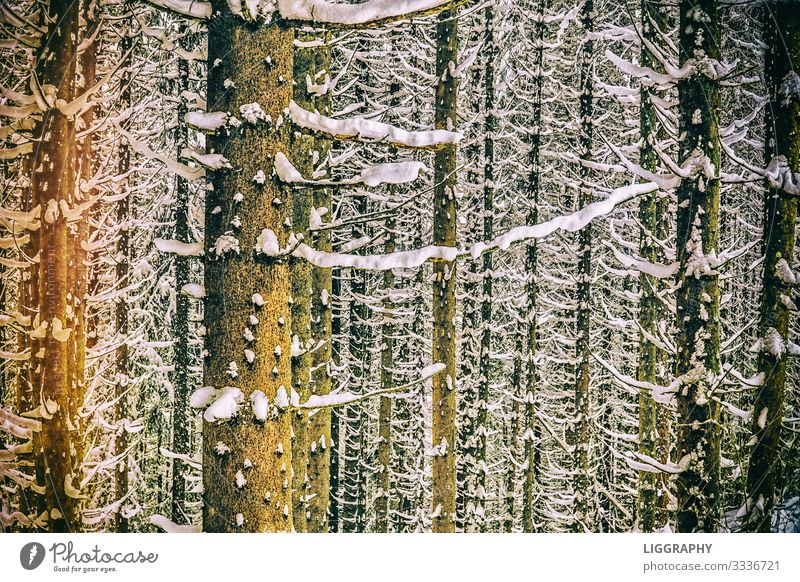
(257, 61)
(697, 296)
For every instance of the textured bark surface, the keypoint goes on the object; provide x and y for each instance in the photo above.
(531, 437)
(261, 451)
(782, 37)
(181, 419)
(697, 297)
(319, 426)
(653, 418)
(582, 430)
(444, 283)
(59, 451)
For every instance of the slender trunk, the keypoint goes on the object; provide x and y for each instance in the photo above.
(387, 383)
(531, 435)
(782, 153)
(484, 360)
(697, 297)
(319, 429)
(181, 420)
(652, 495)
(247, 461)
(444, 282)
(582, 468)
(336, 361)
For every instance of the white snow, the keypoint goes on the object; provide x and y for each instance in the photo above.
(226, 405)
(191, 8)
(267, 243)
(260, 405)
(179, 248)
(369, 130)
(193, 290)
(352, 14)
(206, 121)
(170, 526)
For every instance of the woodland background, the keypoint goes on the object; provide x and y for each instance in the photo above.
(417, 265)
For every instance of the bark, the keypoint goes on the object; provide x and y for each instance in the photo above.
(59, 451)
(531, 437)
(319, 466)
(444, 283)
(385, 405)
(652, 497)
(260, 450)
(181, 419)
(582, 435)
(697, 297)
(782, 37)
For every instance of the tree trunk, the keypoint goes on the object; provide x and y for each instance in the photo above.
(697, 297)
(54, 177)
(652, 497)
(444, 282)
(258, 61)
(582, 436)
(782, 148)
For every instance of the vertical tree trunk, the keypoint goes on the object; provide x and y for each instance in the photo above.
(782, 153)
(582, 435)
(652, 497)
(444, 282)
(532, 429)
(53, 180)
(121, 380)
(258, 61)
(484, 365)
(387, 383)
(697, 298)
(181, 420)
(319, 429)
(303, 159)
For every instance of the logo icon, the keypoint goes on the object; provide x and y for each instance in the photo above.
(31, 555)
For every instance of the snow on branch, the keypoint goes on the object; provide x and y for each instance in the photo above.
(267, 242)
(190, 8)
(392, 173)
(179, 248)
(368, 130)
(369, 13)
(173, 166)
(170, 526)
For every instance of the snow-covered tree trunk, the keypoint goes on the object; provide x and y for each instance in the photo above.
(582, 430)
(53, 180)
(181, 420)
(444, 282)
(247, 457)
(319, 430)
(652, 497)
(697, 298)
(782, 156)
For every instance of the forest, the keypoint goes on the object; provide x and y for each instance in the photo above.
(399, 266)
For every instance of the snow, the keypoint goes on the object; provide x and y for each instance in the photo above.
(394, 173)
(432, 370)
(267, 243)
(258, 300)
(226, 405)
(367, 12)
(286, 171)
(202, 397)
(209, 161)
(369, 130)
(193, 290)
(208, 122)
(253, 113)
(191, 8)
(170, 526)
(762, 418)
(260, 405)
(781, 177)
(179, 248)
